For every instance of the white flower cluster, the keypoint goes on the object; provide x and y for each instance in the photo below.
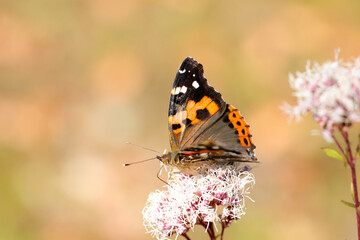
(330, 91)
(218, 196)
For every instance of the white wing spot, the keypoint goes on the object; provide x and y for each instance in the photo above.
(189, 71)
(177, 90)
(183, 89)
(195, 84)
(182, 71)
(194, 75)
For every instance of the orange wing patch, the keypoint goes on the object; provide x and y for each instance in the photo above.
(241, 127)
(194, 113)
(212, 108)
(202, 109)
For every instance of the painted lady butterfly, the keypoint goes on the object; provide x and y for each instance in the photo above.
(204, 130)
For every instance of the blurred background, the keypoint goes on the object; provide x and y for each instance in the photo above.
(79, 78)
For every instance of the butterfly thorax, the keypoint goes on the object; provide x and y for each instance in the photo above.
(183, 161)
(181, 157)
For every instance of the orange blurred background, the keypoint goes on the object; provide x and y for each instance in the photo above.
(80, 78)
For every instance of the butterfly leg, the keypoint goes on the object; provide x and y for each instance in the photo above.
(159, 173)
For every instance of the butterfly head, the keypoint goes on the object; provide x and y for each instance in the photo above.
(169, 158)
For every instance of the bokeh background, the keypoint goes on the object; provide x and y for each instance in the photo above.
(79, 78)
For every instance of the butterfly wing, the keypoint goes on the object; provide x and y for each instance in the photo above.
(198, 114)
(194, 104)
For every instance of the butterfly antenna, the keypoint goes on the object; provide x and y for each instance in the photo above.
(129, 164)
(149, 149)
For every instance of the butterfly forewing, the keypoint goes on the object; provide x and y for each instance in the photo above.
(194, 104)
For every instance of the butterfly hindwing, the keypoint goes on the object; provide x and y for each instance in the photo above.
(232, 133)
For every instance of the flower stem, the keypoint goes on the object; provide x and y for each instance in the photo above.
(185, 236)
(344, 132)
(209, 229)
(341, 149)
(356, 197)
(223, 226)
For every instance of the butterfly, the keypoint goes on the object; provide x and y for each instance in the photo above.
(204, 130)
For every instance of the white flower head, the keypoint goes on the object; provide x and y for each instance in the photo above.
(330, 91)
(188, 200)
